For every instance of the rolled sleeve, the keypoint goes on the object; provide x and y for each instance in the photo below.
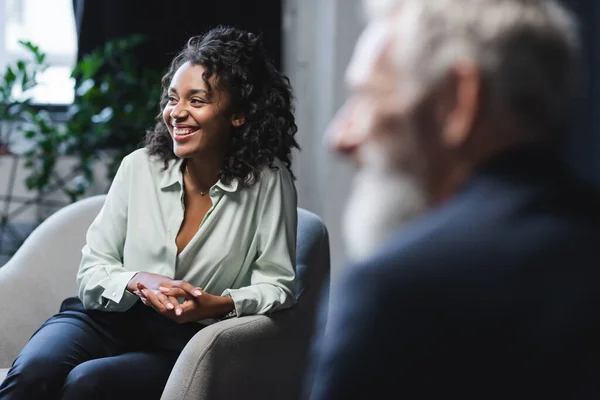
(273, 274)
(102, 279)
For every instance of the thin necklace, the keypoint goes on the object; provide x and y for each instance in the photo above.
(190, 175)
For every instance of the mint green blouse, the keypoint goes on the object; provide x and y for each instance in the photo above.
(245, 246)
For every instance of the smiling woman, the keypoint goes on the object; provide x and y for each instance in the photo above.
(198, 226)
(197, 114)
(228, 71)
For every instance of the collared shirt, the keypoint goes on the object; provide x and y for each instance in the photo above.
(245, 246)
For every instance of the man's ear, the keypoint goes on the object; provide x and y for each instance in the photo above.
(461, 100)
(238, 120)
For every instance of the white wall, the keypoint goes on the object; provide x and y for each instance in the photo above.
(319, 36)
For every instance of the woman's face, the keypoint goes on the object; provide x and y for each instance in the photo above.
(197, 115)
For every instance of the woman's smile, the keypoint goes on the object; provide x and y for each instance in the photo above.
(183, 132)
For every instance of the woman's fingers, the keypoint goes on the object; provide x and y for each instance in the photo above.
(160, 302)
(142, 297)
(154, 301)
(140, 287)
(170, 303)
(174, 292)
(176, 306)
(188, 304)
(164, 301)
(187, 287)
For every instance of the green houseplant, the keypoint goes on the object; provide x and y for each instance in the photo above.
(16, 83)
(116, 101)
(18, 116)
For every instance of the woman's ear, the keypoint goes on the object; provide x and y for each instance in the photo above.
(238, 120)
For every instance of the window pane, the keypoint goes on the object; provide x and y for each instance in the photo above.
(51, 26)
(55, 87)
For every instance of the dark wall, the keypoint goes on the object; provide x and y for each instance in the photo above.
(170, 23)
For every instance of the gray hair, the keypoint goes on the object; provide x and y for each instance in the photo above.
(528, 52)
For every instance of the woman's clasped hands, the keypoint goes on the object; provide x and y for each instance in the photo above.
(163, 294)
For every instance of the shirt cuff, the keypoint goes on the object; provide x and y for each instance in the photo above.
(116, 290)
(239, 300)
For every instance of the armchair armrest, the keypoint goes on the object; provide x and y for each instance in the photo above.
(254, 356)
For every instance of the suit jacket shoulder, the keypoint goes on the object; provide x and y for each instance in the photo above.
(493, 291)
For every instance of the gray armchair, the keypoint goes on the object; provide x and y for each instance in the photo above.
(253, 356)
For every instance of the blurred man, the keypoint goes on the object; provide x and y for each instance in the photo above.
(458, 109)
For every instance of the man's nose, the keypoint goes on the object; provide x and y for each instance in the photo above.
(346, 133)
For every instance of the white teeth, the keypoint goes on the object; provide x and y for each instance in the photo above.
(183, 131)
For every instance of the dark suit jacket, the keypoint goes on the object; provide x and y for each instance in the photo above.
(495, 294)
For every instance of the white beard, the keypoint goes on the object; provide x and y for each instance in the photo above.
(381, 202)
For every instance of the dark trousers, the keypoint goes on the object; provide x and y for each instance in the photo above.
(81, 354)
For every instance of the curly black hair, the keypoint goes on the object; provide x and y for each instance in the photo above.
(258, 91)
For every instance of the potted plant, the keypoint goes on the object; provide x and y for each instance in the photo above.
(17, 115)
(16, 84)
(115, 104)
(116, 101)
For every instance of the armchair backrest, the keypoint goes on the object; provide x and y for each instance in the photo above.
(312, 260)
(41, 274)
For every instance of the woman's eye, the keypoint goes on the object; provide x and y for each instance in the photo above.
(171, 99)
(197, 101)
